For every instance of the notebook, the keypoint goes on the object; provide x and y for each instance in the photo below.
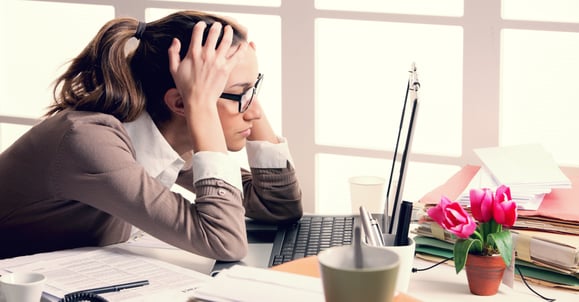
(315, 233)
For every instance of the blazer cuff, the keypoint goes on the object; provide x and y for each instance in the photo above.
(264, 154)
(209, 164)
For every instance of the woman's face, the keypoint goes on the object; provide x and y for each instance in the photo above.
(237, 126)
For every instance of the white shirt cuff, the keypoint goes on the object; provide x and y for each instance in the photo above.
(263, 154)
(208, 164)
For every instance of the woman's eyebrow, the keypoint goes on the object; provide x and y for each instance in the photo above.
(242, 85)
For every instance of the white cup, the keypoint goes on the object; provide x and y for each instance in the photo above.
(406, 255)
(22, 286)
(367, 191)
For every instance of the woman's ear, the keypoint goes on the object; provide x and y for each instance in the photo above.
(174, 101)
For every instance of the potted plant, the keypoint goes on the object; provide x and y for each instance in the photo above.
(482, 238)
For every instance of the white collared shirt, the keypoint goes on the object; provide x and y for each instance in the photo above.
(162, 162)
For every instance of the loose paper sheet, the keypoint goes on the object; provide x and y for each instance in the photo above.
(80, 269)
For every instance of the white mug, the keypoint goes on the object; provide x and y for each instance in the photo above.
(22, 286)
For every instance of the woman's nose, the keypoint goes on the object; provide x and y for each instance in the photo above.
(254, 110)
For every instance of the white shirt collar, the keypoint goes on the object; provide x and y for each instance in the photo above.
(154, 152)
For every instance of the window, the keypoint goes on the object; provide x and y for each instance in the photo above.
(32, 56)
(492, 73)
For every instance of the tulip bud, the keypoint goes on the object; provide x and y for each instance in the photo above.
(481, 204)
(505, 209)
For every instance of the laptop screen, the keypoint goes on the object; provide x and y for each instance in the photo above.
(397, 178)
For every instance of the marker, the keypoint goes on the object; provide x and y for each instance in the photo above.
(401, 237)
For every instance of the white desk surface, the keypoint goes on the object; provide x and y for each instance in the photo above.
(441, 283)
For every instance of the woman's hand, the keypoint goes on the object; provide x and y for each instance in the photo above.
(200, 79)
(201, 76)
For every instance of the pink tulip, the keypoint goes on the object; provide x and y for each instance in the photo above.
(453, 218)
(481, 204)
(505, 209)
(503, 193)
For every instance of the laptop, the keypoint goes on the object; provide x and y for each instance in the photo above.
(315, 233)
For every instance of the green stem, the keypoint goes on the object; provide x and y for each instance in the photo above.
(477, 235)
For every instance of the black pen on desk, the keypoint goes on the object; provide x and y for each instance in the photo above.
(111, 288)
(403, 227)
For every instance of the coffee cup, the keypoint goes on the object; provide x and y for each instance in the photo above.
(345, 280)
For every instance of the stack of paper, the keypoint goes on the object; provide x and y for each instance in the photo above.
(547, 238)
(529, 170)
(525, 198)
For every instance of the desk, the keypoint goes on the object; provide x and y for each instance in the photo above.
(443, 284)
(438, 284)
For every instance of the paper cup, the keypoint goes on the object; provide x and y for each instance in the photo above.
(343, 282)
(367, 191)
(22, 287)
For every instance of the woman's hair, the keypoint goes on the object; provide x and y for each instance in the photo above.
(104, 78)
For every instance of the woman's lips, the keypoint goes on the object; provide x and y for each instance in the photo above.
(246, 132)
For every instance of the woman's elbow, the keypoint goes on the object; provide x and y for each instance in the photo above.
(229, 249)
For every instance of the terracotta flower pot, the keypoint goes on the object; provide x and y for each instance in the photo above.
(484, 274)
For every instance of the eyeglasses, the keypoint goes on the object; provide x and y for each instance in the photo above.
(244, 99)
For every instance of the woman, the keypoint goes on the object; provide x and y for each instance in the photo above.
(124, 129)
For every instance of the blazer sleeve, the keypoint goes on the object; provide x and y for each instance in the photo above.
(272, 194)
(269, 194)
(97, 166)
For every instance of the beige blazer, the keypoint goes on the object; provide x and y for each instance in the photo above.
(73, 181)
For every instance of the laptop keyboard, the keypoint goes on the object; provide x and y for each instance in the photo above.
(313, 234)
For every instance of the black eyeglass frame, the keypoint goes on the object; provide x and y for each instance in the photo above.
(239, 97)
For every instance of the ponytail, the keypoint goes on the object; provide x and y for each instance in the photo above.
(99, 78)
(103, 78)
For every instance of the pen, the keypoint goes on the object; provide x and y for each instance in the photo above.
(111, 288)
(401, 237)
(371, 228)
(377, 231)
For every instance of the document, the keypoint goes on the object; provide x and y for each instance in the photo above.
(525, 199)
(251, 284)
(144, 244)
(528, 166)
(86, 268)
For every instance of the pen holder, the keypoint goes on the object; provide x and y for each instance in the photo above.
(406, 255)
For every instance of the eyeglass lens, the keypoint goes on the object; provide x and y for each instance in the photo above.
(248, 96)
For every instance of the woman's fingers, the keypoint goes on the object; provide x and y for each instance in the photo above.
(206, 66)
(226, 40)
(196, 47)
(213, 35)
(174, 58)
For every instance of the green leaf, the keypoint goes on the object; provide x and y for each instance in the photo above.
(504, 243)
(461, 249)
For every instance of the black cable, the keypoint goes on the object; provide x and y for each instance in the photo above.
(414, 269)
(81, 296)
(529, 287)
